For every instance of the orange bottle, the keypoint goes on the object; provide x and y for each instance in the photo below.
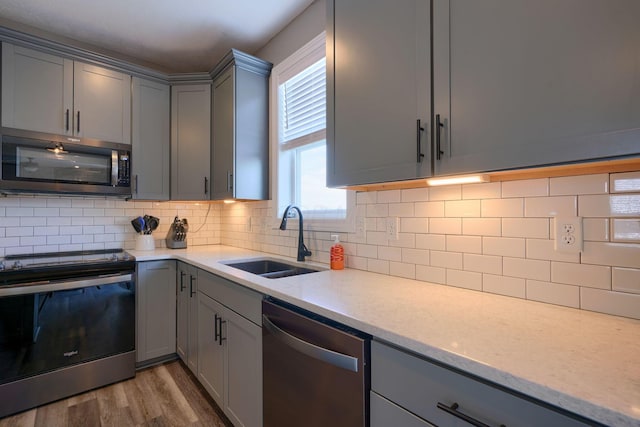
(337, 254)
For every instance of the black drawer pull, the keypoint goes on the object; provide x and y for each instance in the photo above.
(453, 410)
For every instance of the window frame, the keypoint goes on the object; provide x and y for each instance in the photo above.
(281, 72)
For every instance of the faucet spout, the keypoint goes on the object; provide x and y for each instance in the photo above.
(302, 248)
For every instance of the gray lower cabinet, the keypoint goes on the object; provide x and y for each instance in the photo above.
(48, 93)
(150, 144)
(416, 392)
(187, 315)
(378, 91)
(156, 305)
(240, 126)
(521, 83)
(190, 141)
(230, 348)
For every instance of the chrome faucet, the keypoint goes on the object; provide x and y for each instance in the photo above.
(302, 249)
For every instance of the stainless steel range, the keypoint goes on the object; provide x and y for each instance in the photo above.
(67, 325)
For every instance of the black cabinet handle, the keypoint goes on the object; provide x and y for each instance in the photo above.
(66, 120)
(453, 410)
(206, 185)
(439, 126)
(136, 184)
(182, 286)
(191, 291)
(215, 327)
(218, 329)
(78, 123)
(419, 131)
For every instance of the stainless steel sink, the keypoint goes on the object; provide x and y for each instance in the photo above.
(271, 269)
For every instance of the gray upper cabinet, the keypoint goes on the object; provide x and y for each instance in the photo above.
(240, 126)
(48, 93)
(521, 83)
(378, 88)
(150, 145)
(190, 141)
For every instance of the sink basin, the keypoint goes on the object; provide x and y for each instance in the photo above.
(271, 269)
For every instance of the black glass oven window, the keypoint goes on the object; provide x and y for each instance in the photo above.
(47, 331)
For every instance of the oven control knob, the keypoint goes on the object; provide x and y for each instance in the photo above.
(16, 265)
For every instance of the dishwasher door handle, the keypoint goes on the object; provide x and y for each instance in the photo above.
(334, 358)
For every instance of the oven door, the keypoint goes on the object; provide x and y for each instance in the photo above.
(45, 327)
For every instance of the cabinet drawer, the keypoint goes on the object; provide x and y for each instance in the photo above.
(243, 301)
(385, 413)
(431, 391)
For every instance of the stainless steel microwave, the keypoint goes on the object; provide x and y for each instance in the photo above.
(36, 162)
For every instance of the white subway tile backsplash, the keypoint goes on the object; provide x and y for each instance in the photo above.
(613, 254)
(366, 251)
(462, 208)
(526, 268)
(389, 196)
(19, 231)
(525, 188)
(431, 241)
(445, 225)
(544, 249)
(464, 279)
(625, 230)
(553, 293)
(389, 253)
(482, 263)
(482, 226)
(609, 302)
(504, 246)
(366, 197)
(401, 209)
(536, 228)
(627, 182)
(415, 195)
(488, 190)
(446, 259)
(376, 238)
(502, 285)
(10, 211)
(405, 240)
(429, 209)
(619, 205)
(400, 269)
(30, 221)
(415, 256)
(595, 229)
(377, 210)
(584, 184)
(446, 192)
(502, 208)
(414, 225)
(467, 244)
(431, 274)
(593, 276)
(626, 280)
(378, 266)
(542, 207)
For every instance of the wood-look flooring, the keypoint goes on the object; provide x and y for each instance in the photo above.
(161, 396)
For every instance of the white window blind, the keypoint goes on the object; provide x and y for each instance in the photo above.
(303, 107)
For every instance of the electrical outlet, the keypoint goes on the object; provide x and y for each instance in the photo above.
(361, 228)
(393, 225)
(568, 234)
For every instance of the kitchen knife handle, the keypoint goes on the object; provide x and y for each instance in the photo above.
(439, 126)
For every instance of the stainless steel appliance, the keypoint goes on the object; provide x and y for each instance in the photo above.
(67, 325)
(315, 372)
(44, 163)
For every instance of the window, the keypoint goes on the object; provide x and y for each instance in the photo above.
(298, 90)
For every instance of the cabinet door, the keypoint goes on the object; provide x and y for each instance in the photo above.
(521, 83)
(102, 103)
(37, 90)
(183, 299)
(190, 142)
(150, 145)
(156, 304)
(378, 87)
(385, 413)
(210, 347)
(243, 369)
(222, 170)
(192, 346)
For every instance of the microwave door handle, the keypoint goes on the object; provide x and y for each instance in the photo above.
(114, 168)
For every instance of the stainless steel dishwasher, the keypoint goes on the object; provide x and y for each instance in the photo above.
(315, 372)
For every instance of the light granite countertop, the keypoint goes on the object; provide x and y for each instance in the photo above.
(587, 363)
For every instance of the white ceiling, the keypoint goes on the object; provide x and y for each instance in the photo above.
(170, 35)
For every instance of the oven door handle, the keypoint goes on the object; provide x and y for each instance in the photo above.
(334, 358)
(40, 287)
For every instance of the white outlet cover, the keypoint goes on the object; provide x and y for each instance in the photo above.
(568, 234)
